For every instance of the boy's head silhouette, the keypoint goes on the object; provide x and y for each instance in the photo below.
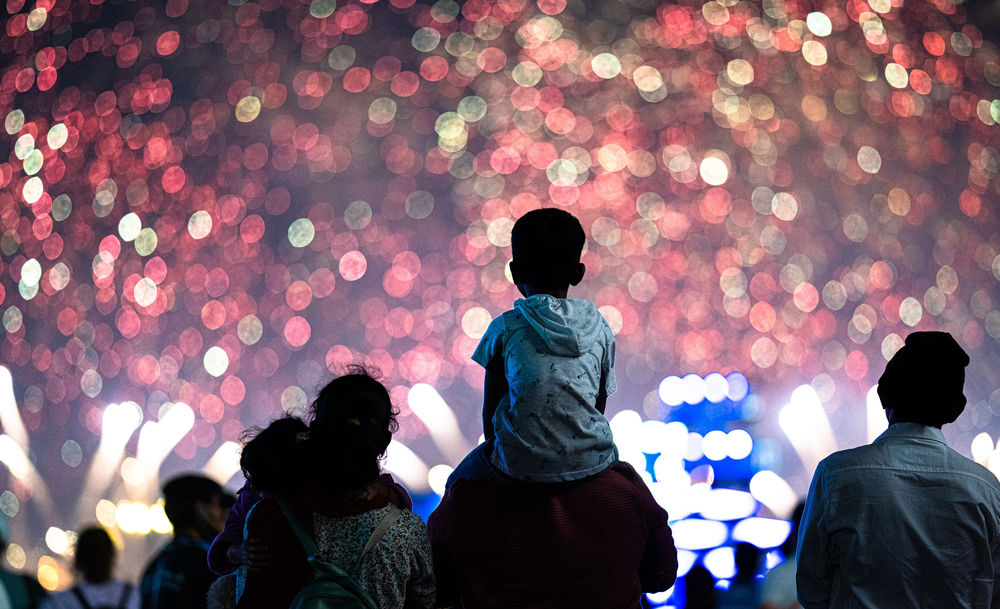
(922, 383)
(546, 245)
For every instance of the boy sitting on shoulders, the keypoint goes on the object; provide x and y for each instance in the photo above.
(549, 366)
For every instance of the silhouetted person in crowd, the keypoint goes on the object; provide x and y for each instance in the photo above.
(543, 514)
(18, 590)
(586, 544)
(94, 562)
(274, 462)
(353, 420)
(179, 577)
(549, 365)
(905, 521)
(779, 584)
(699, 589)
(744, 589)
(228, 551)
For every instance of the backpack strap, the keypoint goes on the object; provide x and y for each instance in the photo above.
(79, 596)
(126, 592)
(307, 542)
(310, 546)
(383, 526)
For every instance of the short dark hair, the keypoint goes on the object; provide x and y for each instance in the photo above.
(273, 458)
(353, 420)
(94, 557)
(923, 381)
(181, 496)
(546, 245)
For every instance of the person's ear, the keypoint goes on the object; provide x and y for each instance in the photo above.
(517, 276)
(515, 272)
(578, 273)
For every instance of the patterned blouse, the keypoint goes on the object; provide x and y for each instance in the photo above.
(397, 572)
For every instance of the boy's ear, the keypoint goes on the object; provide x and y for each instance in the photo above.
(515, 272)
(578, 273)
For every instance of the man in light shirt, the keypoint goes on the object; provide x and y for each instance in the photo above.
(905, 521)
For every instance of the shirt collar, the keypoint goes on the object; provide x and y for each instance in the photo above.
(912, 430)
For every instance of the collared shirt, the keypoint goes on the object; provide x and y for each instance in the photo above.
(902, 522)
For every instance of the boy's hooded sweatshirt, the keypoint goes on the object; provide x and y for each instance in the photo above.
(557, 355)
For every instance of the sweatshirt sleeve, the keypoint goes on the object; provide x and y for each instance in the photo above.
(658, 566)
(441, 530)
(490, 343)
(232, 532)
(609, 385)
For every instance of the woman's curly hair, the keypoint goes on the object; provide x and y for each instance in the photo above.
(352, 422)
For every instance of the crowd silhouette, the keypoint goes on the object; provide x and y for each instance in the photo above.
(543, 514)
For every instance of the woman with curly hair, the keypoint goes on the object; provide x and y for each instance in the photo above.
(326, 482)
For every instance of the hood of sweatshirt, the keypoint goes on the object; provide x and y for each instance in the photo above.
(567, 325)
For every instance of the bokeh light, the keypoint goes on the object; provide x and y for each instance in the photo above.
(221, 207)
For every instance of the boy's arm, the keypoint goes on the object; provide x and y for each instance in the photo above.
(489, 355)
(494, 388)
(601, 404)
(602, 397)
(607, 386)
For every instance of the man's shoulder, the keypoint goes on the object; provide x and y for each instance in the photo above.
(967, 466)
(880, 455)
(619, 482)
(180, 554)
(617, 494)
(848, 457)
(625, 474)
(837, 465)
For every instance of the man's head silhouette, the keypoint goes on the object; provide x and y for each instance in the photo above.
(922, 383)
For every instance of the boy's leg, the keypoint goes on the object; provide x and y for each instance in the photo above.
(476, 466)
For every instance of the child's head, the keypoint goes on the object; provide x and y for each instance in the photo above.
(274, 458)
(546, 245)
(353, 422)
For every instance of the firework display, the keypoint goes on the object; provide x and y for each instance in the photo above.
(215, 205)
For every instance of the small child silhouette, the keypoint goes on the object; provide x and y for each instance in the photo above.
(549, 366)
